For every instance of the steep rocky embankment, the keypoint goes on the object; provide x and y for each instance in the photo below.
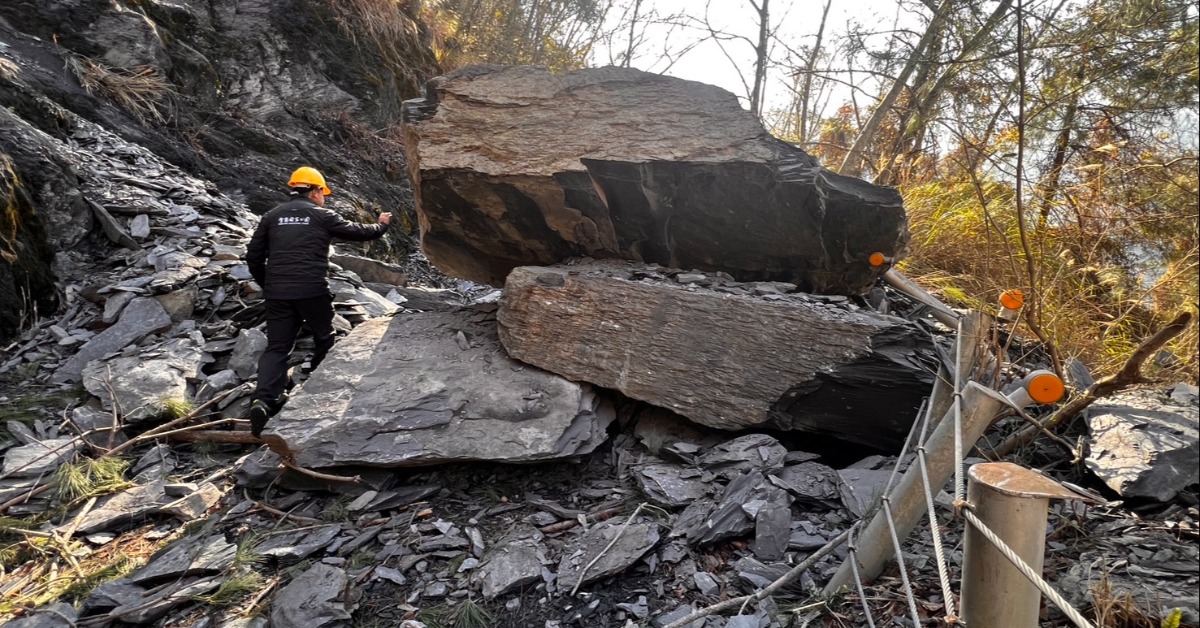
(234, 93)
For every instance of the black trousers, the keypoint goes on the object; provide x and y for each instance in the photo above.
(284, 318)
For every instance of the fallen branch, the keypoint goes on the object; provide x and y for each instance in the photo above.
(168, 427)
(287, 515)
(1129, 375)
(601, 515)
(583, 572)
(24, 497)
(783, 581)
(272, 441)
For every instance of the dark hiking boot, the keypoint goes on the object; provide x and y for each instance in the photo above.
(259, 413)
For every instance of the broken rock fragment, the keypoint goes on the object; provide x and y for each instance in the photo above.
(513, 562)
(136, 388)
(632, 542)
(1144, 446)
(313, 600)
(142, 317)
(723, 358)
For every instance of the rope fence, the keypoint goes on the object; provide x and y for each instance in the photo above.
(961, 509)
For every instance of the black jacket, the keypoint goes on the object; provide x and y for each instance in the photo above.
(289, 253)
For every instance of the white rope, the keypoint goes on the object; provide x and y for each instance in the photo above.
(935, 532)
(862, 595)
(908, 441)
(1075, 616)
(908, 592)
(887, 512)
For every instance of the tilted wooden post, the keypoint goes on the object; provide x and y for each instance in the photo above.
(1012, 502)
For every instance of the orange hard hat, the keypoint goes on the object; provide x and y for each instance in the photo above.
(307, 176)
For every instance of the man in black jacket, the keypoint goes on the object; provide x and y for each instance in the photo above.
(289, 258)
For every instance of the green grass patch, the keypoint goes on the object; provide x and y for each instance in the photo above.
(81, 588)
(90, 477)
(234, 588)
(175, 408)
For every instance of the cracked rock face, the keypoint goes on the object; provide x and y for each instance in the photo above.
(435, 387)
(618, 163)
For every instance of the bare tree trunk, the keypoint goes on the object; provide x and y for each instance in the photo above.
(760, 60)
(927, 94)
(852, 164)
(809, 69)
(637, 7)
(1049, 190)
(1033, 313)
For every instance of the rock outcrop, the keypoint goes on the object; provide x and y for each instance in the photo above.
(723, 354)
(517, 167)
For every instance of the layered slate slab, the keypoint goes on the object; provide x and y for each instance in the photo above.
(430, 388)
(519, 166)
(726, 355)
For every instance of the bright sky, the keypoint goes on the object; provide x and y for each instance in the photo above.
(795, 23)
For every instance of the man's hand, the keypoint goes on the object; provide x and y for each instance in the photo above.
(385, 218)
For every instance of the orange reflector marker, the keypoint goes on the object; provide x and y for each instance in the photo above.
(1045, 387)
(1010, 302)
(1012, 299)
(877, 259)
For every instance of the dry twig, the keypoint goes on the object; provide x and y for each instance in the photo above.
(783, 581)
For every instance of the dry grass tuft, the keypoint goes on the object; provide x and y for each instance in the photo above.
(8, 69)
(384, 29)
(1119, 609)
(89, 477)
(143, 91)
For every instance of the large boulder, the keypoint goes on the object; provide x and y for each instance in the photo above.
(724, 354)
(435, 387)
(519, 166)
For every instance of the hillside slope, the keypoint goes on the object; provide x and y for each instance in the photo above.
(234, 93)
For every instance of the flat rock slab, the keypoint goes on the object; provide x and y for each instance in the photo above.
(435, 387)
(126, 506)
(633, 542)
(142, 317)
(671, 485)
(137, 387)
(721, 355)
(187, 557)
(512, 563)
(313, 600)
(1144, 445)
(57, 615)
(862, 488)
(39, 457)
(618, 163)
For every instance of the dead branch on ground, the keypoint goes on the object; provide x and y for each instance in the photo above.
(1129, 375)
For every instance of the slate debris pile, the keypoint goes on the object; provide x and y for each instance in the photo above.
(158, 308)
